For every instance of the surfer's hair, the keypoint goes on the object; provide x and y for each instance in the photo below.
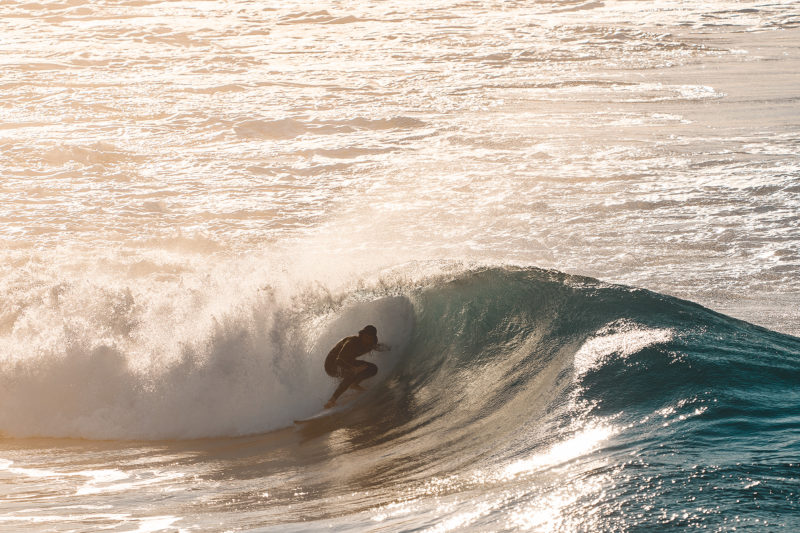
(370, 330)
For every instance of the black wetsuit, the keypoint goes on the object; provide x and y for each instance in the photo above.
(342, 362)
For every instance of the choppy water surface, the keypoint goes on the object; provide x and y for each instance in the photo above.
(197, 199)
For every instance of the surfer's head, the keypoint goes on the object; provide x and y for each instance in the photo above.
(369, 335)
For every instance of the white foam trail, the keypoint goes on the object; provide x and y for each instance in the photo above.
(619, 339)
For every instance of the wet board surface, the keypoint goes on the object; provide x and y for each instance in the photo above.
(342, 405)
(319, 416)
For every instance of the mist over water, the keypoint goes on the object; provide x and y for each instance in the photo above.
(199, 199)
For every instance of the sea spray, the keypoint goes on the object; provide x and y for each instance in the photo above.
(223, 356)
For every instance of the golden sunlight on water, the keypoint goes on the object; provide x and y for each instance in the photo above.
(199, 198)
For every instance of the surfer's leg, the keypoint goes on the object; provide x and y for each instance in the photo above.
(352, 379)
(343, 386)
(348, 378)
(367, 371)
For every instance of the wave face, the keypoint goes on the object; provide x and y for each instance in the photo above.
(547, 401)
(619, 408)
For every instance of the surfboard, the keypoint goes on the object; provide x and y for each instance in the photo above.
(345, 400)
(321, 415)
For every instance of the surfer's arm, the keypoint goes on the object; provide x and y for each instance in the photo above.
(338, 347)
(342, 358)
(337, 350)
(380, 347)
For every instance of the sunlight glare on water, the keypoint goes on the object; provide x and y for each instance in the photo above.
(198, 199)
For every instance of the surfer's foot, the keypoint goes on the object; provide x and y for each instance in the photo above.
(356, 386)
(330, 404)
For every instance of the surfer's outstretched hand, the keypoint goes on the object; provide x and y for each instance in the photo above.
(380, 347)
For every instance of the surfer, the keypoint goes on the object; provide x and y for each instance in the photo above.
(342, 361)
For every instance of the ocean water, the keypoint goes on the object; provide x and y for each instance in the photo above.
(574, 222)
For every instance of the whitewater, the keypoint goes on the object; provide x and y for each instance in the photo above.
(574, 223)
